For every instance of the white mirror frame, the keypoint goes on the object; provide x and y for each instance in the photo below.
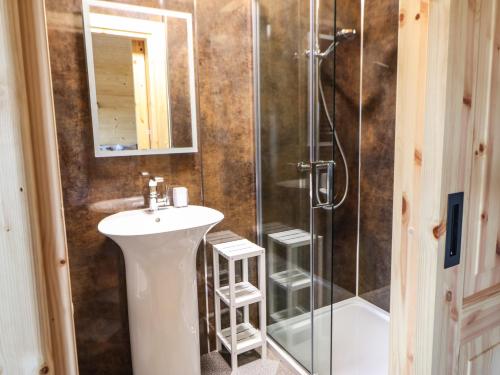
(92, 85)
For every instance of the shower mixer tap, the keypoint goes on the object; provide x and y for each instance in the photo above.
(304, 166)
(316, 169)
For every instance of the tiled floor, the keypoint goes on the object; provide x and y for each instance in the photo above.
(249, 364)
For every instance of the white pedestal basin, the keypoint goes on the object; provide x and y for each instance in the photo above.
(160, 259)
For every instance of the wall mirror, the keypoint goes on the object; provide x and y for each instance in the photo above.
(140, 64)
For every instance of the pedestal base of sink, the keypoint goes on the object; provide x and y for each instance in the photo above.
(162, 299)
(163, 310)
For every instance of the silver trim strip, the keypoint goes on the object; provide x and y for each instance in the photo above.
(257, 127)
(360, 139)
(311, 91)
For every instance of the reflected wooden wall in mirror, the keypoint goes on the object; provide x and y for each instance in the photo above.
(141, 79)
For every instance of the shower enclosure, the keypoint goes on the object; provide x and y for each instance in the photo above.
(307, 80)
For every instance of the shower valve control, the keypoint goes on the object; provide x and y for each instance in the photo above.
(319, 168)
(304, 166)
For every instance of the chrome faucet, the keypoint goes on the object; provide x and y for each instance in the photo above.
(158, 193)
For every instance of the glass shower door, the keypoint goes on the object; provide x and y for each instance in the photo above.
(295, 181)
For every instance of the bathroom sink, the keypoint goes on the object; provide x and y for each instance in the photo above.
(145, 223)
(160, 260)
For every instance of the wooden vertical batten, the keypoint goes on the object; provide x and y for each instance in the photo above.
(410, 104)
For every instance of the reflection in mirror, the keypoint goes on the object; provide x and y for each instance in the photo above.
(141, 78)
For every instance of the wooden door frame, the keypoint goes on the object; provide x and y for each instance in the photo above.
(45, 186)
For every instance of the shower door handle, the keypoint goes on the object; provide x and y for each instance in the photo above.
(318, 168)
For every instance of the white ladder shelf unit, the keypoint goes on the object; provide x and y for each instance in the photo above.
(239, 338)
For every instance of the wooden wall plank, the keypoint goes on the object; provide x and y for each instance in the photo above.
(115, 86)
(412, 57)
(158, 78)
(139, 64)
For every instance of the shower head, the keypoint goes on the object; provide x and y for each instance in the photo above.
(342, 35)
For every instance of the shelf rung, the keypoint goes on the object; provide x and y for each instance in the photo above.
(247, 338)
(245, 294)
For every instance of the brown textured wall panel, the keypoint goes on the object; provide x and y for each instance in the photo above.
(377, 149)
(226, 111)
(347, 92)
(225, 79)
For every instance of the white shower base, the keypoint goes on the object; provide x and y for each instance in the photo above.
(360, 339)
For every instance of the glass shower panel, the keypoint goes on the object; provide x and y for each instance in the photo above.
(283, 39)
(293, 142)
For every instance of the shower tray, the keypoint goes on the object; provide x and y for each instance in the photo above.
(360, 338)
